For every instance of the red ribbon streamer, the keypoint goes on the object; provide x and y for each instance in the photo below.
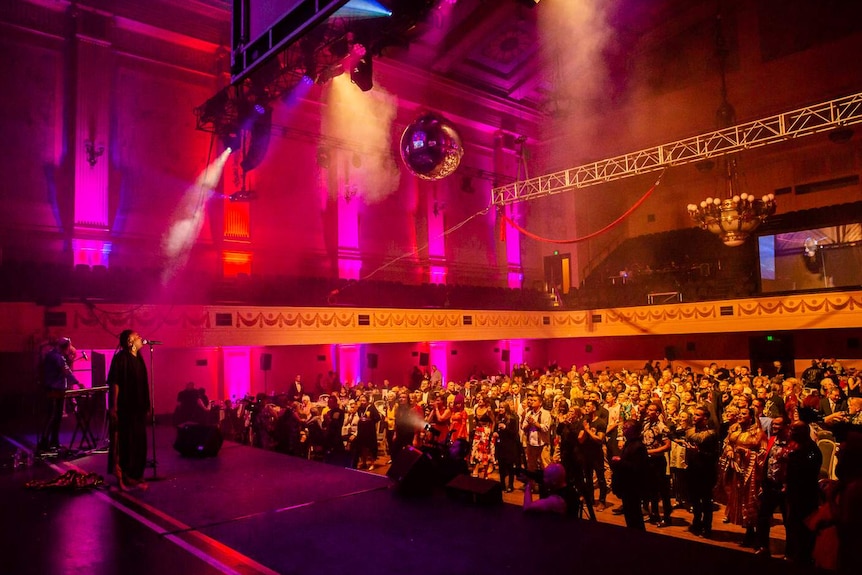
(511, 222)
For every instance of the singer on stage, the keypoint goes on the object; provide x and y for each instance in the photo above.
(129, 404)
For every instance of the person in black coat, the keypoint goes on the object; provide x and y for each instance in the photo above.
(365, 444)
(702, 453)
(507, 445)
(333, 420)
(128, 406)
(803, 492)
(568, 429)
(629, 468)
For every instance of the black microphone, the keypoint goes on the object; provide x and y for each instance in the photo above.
(151, 342)
(84, 356)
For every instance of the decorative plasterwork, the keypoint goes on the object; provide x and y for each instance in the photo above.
(190, 326)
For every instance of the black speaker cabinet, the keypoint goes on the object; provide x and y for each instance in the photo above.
(412, 471)
(475, 490)
(196, 440)
(265, 361)
(372, 360)
(423, 359)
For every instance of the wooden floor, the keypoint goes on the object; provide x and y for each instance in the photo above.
(249, 512)
(724, 534)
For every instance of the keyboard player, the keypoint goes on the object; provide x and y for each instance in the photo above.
(57, 376)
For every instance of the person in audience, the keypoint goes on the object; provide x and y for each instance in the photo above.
(333, 422)
(389, 420)
(569, 454)
(554, 481)
(458, 428)
(536, 425)
(834, 400)
(702, 461)
(507, 448)
(742, 476)
(677, 459)
(629, 468)
(439, 420)
(303, 409)
(591, 438)
(407, 423)
(802, 492)
(482, 452)
(349, 427)
(656, 438)
(773, 485)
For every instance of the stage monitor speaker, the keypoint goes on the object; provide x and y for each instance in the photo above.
(504, 355)
(97, 369)
(475, 490)
(423, 359)
(196, 440)
(372, 360)
(340, 459)
(412, 471)
(265, 361)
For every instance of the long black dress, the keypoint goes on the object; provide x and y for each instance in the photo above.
(129, 391)
(366, 431)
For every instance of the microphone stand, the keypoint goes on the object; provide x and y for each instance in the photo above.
(153, 411)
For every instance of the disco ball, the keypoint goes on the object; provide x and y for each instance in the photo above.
(430, 147)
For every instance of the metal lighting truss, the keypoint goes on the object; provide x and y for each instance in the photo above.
(844, 111)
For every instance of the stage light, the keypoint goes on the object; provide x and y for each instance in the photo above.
(243, 196)
(361, 73)
(259, 109)
(363, 9)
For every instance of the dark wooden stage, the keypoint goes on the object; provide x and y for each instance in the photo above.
(250, 511)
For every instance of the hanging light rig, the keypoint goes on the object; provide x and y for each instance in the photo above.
(735, 217)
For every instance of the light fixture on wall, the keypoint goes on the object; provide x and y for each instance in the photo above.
(438, 208)
(350, 191)
(735, 217)
(93, 152)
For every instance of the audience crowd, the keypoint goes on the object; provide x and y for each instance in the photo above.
(661, 438)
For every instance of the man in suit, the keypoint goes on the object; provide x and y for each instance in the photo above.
(833, 402)
(294, 389)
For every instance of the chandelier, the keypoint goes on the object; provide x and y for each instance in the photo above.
(736, 216)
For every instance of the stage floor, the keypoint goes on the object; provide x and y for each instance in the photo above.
(251, 511)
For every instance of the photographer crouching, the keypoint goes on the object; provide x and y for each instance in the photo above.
(553, 491)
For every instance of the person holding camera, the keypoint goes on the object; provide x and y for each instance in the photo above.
(536, 426)
(570, 455)
(439, 418)
(554, 484)
(591, 438)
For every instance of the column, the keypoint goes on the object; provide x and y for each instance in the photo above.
(92, 69)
